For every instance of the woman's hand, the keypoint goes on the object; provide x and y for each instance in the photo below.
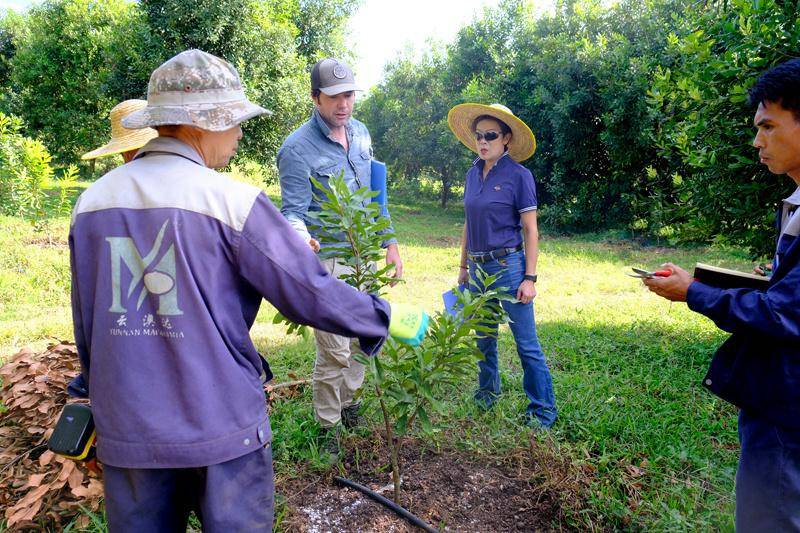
(526, 292)
(463, 276)
(314, 244)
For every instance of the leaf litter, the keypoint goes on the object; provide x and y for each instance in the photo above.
(39, 489)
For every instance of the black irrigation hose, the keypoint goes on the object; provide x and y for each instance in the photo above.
(387, 503)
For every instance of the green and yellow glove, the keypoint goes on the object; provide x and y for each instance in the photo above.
(408, 323)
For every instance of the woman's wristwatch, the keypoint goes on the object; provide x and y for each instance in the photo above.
(529, 277)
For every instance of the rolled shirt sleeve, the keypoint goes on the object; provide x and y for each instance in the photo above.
(296, 190)
(390, 229)
(288, 274)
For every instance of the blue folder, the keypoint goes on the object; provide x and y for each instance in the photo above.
(378, 183)
(450, 300)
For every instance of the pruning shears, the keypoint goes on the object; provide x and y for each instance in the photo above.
(646, 274)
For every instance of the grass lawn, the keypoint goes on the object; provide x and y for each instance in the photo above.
(626, 366)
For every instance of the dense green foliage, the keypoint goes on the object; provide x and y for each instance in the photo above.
(65, 63)
(704, 129)
(638, 108)
(578, 77)
(408, 123)
(26, 177)
(60, 68)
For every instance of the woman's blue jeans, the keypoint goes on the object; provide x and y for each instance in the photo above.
(536, 380)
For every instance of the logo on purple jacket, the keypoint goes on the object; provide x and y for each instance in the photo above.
(155, 270)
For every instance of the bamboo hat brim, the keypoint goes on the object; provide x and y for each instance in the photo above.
(123, 139)
(461, 117)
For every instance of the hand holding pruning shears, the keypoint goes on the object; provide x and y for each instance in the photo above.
(671, 283)
(645, 274)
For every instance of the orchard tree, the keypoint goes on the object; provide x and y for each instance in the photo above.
(705, 127)
(60, 70)
(407, 117)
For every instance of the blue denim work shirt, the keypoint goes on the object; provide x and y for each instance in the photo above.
(310, 151)
(493, 206)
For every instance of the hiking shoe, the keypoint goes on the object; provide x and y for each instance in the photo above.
(352, 417)
(331, 438)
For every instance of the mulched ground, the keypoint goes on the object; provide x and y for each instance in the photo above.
(38, 489)
(528, 490)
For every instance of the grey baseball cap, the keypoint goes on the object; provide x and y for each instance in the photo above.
(332, 77)
(197, 89)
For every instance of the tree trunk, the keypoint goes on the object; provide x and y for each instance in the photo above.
(445, 195)
(393, 447)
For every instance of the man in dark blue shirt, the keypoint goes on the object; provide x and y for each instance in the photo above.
(758, 367)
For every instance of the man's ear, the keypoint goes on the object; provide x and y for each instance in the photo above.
(315, 99)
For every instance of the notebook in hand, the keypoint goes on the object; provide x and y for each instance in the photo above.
(725, 278)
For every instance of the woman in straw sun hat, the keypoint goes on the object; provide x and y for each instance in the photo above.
(123, 141)
(501, 237)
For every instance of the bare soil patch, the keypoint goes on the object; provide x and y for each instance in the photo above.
(527, 490)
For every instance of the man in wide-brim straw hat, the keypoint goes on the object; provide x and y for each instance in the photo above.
(123, 141)
(501, 237)
(170, 261)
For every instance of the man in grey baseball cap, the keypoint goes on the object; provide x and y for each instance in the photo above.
(330, 143)
(170, 261)
(332, 77)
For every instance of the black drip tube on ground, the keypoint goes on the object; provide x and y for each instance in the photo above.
(387, 503)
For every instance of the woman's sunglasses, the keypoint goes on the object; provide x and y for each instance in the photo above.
(489, 136)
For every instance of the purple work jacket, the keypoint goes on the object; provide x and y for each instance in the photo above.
(170, 261)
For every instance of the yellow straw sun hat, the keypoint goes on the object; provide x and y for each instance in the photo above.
(123, 139)
(461, 117)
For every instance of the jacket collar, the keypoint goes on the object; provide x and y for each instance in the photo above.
(170, 145)
(794, 198)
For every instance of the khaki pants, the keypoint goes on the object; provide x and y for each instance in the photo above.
(337, 376)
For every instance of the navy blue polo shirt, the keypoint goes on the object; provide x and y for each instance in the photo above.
(493, 206)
